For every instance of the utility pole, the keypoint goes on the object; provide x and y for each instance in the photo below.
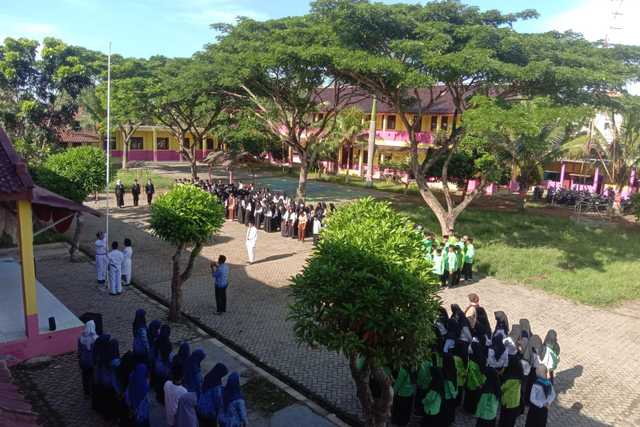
(372, 144)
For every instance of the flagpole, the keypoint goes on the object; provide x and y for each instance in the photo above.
(108, 139)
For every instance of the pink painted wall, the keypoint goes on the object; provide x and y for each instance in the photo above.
(41, 344)
(167, 156)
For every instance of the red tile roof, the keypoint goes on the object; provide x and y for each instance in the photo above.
(15, 181)
(82, 136)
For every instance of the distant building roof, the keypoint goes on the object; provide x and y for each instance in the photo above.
(81, 136)
(15, 181)
(442, 104)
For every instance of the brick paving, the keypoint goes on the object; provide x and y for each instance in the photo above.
(597, 379)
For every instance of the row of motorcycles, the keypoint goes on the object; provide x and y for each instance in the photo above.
(562, 196)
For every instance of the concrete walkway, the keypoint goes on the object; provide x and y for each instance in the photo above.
(597, 379)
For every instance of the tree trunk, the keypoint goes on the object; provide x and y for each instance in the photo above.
(210, 172)
(124, 155)
(176, 286)
(230, 176)
(76, 237)
(194, 166)
(374, 411)
(302, 179)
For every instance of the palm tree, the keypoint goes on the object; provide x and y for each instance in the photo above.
(618, 153)
(349, 127)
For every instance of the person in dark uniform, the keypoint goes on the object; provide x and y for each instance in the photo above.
(135, 192)
(150, 190)
(119, 193)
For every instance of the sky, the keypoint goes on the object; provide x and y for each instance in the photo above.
(143, 28)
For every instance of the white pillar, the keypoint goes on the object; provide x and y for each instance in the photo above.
(155, 145)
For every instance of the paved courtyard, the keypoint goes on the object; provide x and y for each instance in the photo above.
(597, 380)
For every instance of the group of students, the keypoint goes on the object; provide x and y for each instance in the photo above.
(120, 387)
(493, 375)
(452, 258)
(120, 190)
(115, 265)
(268, 210)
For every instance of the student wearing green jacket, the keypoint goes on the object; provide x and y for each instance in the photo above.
(459, 261)
(433, 401)
(403, 391)
(428, 243)
(510, 401)
(450, 388)
(469, 254)
(438, 267)
(451, 266)
(475, 377)
(487, 410)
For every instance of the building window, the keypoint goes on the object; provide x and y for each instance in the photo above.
(391, 122)
(444, 123)
(162, 143)
(434, 123)
(136, 143)
(551, 176)
(209, 143)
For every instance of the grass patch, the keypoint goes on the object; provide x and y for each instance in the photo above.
(357, 181)
(264, 396)
(587, 264)
(141, 174)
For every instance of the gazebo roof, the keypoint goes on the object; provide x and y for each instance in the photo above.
(15, 181)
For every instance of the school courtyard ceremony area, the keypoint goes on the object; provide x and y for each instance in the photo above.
(319, 213)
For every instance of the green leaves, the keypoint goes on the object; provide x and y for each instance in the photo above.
(186, 215)
(74, 173)
(367, 288)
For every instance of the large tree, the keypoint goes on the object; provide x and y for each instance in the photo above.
(367, 293)
(457, 52)
(189, 98)
(130, 80)
(39, 93)
(272, 67)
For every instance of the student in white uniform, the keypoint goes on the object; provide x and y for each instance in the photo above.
(115, 270)
(541, 397)
(251, 239)
(126, 262)
(101, 257)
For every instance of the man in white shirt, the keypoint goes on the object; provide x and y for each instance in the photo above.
(115, 269)
(250, 242)
(173, 390)
(101, 257)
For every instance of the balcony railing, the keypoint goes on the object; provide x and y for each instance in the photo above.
(403, 136)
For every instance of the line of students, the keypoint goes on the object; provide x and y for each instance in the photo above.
(452, 258)
(120, 387)
(494, 376)
(116, 265)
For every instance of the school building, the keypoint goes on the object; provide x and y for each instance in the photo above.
(156, 143)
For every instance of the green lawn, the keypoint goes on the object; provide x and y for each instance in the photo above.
(141, 174)
(588, 264)
(591, 265)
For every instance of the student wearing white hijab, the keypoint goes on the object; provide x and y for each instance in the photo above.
(115, 270)
(101, 257)
(250, 241)
(127, 254)
(85, 354)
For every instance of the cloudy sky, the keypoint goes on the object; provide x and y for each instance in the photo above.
(180, 27)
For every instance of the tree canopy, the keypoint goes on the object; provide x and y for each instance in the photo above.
(367, 292)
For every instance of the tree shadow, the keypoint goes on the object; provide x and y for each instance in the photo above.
(274, 258)
(566, 380)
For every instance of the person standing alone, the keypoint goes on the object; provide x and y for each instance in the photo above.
(115, 270)
(135, 192)
(150, 190)
(250, 241)
(220, 273)
(120, 193)
(101, 257)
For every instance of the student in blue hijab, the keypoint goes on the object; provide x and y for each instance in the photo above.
(210, 401)
(234, 411)
(153, 333)
(141, 347)
(137, 396)
(162, 365)
(193, 373)
(100, 371)
(183, 355)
